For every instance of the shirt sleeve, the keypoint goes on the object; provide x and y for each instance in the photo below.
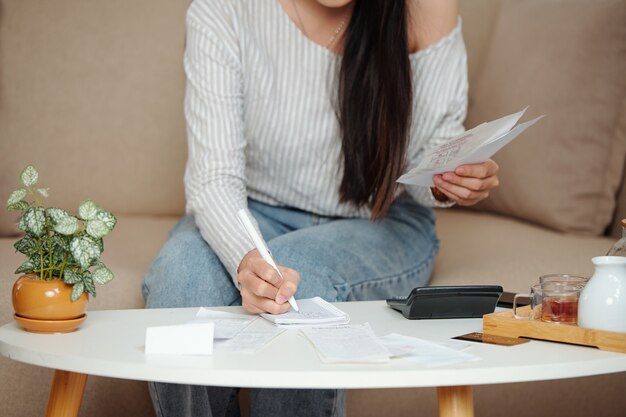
(450, 78)
(215, 183)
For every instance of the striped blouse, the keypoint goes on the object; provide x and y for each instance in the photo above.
(261, 122)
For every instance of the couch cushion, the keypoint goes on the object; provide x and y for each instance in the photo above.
(565, 59)
(482, 248)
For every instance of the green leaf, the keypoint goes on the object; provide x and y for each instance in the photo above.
(36, 261)
(90, 287)
(26, 268)
(85, 250)
(16, 196)
(19, 206)
(27, 245)
(67, 225)
(29, 176)
(107, 218)
(87, 210)
(43, 191)
(56, 214)
(60, 243)
(33, 221)
(101, 225)
(97, 228)
(102, 275)
(57, 257)
(64, 223)
(77, 290)
(71, 277)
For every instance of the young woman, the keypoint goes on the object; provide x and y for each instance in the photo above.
(305, 112)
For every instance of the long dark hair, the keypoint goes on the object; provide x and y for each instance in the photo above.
(374, 103)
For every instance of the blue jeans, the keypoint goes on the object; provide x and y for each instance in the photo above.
(339, 259)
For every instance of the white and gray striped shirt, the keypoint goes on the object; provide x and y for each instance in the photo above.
(261, 121)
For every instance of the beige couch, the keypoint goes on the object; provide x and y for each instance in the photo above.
(91, 93)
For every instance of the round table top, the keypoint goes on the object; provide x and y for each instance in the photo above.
(111, 343)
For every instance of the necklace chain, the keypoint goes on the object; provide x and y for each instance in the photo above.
(332, 38)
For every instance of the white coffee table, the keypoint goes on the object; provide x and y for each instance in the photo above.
(111, 344)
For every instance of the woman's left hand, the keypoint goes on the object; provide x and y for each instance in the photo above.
(468, 184)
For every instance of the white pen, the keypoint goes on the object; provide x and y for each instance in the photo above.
(260, 245)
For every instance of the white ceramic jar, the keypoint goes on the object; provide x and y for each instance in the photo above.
(602, 303)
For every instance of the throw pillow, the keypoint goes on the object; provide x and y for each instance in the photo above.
(565, 59)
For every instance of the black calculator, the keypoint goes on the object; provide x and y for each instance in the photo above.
(448, 302)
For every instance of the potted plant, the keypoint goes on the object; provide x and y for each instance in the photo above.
(62, 263)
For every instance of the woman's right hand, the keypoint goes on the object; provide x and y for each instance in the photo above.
(262, 289)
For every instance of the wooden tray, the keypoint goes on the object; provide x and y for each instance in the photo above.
(504, 324)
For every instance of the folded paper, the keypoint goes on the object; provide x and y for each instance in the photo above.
(471, 147)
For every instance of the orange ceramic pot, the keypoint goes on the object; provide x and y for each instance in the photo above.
(46, 300)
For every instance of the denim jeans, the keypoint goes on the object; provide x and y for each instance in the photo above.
(339, 259)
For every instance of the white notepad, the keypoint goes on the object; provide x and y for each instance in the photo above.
(313, 312)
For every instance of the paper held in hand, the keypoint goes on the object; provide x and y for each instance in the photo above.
(471, 147)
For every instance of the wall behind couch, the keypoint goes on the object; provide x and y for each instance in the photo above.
(91, 93)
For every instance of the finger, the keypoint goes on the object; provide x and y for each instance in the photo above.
(253, 261)
(264, 289)
(266, 272)
(470, 183)
(465, 196)
(452, 197)
(461, 195)
(285, 292)
(482, 170)
(290, 274)
(289, 286)
(475, 184)
(256, 285)
(255, 304)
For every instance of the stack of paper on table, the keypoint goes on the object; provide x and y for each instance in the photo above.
(313, 312)
(358, 344)
(248, 341)
(209, 330)
(471, 147)
(232, 331)
(227, 325)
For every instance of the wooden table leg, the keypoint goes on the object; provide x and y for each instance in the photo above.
(66, 394)
(456, 401)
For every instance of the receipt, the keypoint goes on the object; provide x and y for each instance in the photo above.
(355, 343)
(424, 352)
(227, 325)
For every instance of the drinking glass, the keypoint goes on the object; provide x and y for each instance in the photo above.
(552, 302)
